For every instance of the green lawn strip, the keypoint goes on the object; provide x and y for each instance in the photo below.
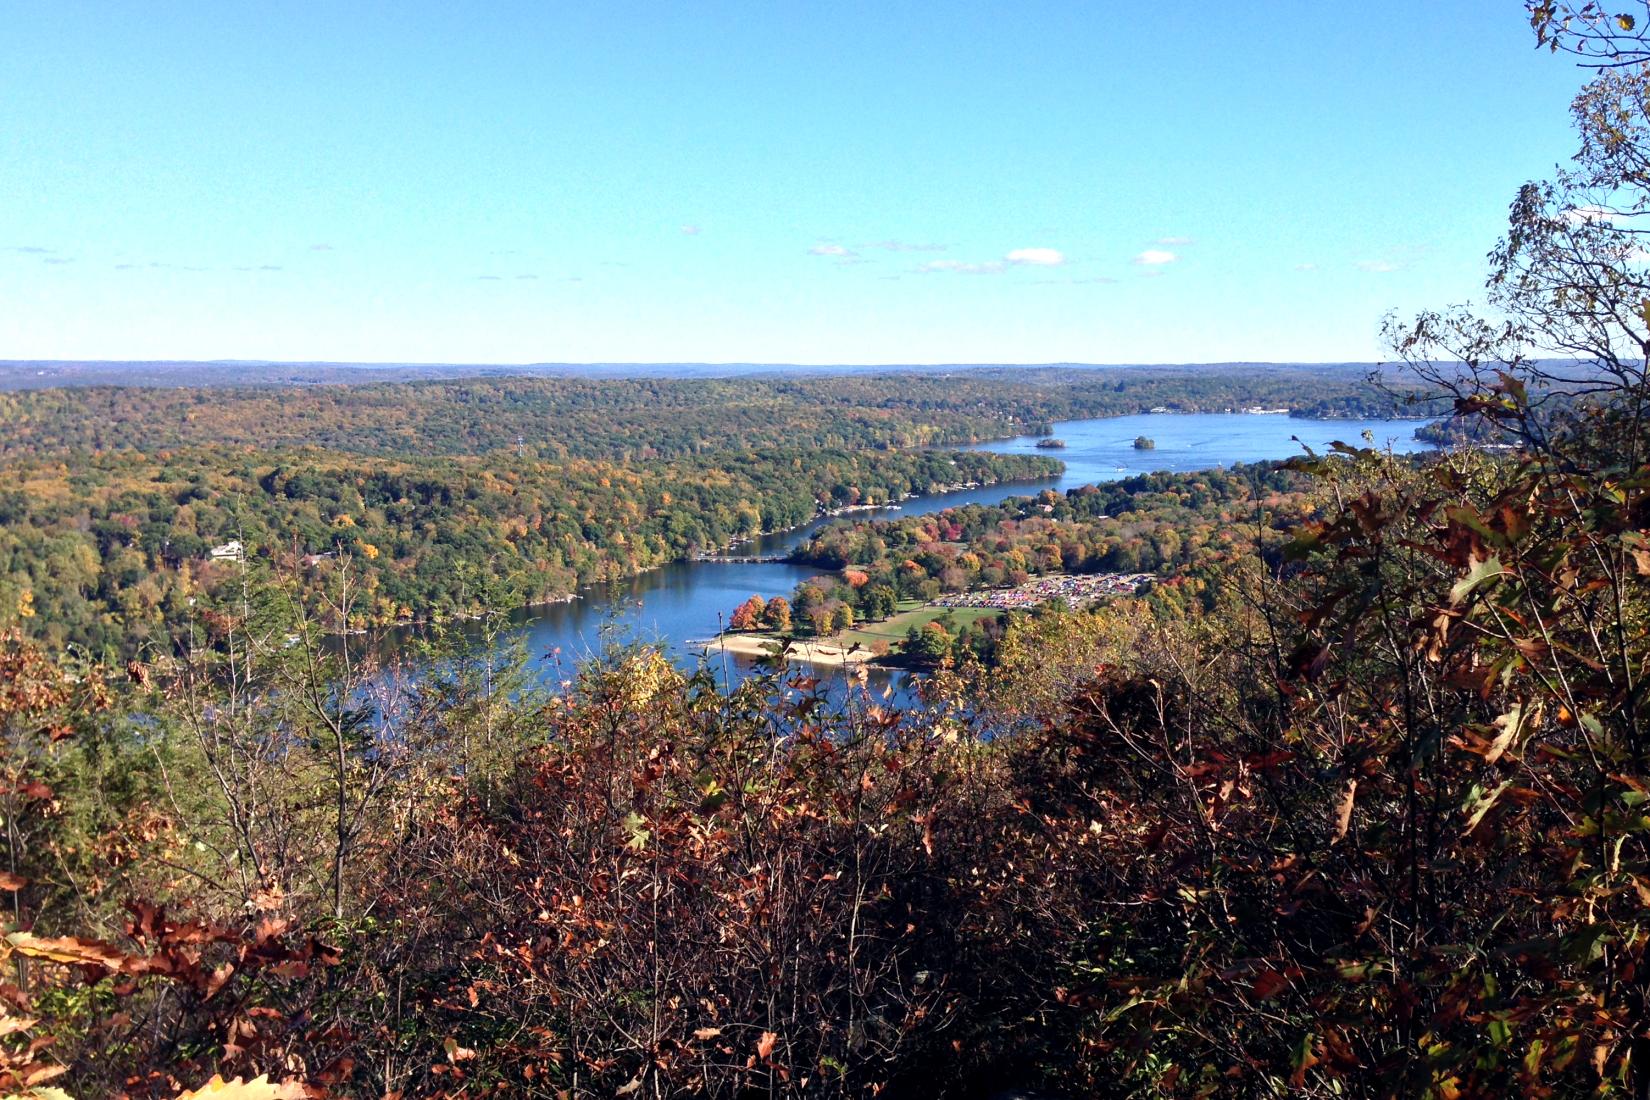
(918, 615)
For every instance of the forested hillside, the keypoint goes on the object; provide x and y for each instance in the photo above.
(629, 419)
(1191, 530)
(114, 498)
(108, 551)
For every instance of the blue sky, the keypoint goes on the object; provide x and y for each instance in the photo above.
(764, 182)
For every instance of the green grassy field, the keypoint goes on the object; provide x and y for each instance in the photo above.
(912, 613)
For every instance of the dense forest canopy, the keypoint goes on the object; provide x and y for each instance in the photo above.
(627, 419)
(117, 497)
(109, 551)
(1191, 529)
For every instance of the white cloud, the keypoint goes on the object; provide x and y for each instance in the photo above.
(1397, 257)
(1155, 257)
(1306, 267)
(691, 231)
(1096, 280)
(905, 246)
(1174, 242)
(1036, 257)
(837, 250)
(960, 267)
(1019, 257)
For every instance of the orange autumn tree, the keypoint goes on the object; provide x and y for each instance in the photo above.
(749, 615)
(779, 615)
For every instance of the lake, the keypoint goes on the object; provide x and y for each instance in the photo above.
(682, 604)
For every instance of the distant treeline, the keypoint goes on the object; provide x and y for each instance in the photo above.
(642, 419)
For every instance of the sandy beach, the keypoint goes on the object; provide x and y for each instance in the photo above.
(823, 654)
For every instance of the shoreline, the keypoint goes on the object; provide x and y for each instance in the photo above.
(828, 655)
(580, 590)
(894, 505)
(802, 651)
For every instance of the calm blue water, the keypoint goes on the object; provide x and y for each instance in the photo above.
(1103, 450)
(685, 603)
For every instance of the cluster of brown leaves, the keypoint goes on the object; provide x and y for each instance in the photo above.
(1395, 840)
(675, 899)
(174, 984)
